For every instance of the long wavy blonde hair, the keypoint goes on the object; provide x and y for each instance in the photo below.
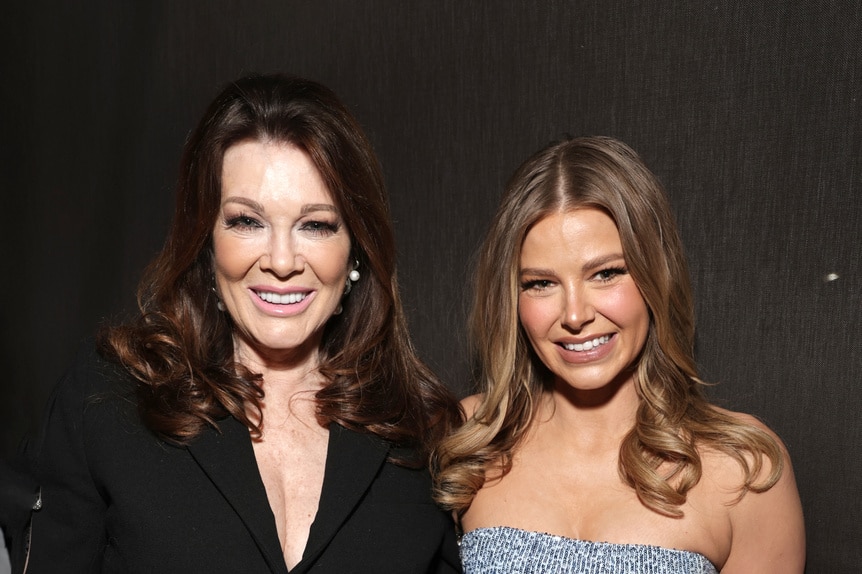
(674, 419)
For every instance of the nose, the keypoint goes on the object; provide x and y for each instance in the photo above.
(282, 257)
(578, 310)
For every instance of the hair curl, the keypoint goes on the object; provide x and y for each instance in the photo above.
(180, 347)
(674, 420)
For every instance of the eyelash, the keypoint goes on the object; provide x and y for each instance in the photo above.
(316, 227)
(320, 227)
(539, 284)
(604, 276)
(243, 221)
(612, 271)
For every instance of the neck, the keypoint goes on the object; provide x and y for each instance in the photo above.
(259, 359)
(592, 417)
(286, 374)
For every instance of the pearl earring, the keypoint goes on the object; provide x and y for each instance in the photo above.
(219, 304)
(352, 277)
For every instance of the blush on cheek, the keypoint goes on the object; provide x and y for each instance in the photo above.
(625, 305)
(536, 314)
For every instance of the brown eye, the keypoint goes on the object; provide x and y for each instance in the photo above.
(243, 222)
(536, 284)
(320, 227)
(610, 273)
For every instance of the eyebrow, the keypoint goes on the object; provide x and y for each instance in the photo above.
(599, 261)
(306, 209)
(312, 207)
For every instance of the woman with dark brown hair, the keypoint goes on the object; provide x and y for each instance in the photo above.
(266, 410)
(591, 447)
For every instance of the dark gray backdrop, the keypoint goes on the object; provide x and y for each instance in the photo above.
(748, 111)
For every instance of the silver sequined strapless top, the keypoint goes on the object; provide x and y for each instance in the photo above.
(505, 550)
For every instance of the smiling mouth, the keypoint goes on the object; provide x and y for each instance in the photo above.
(281, 299)
(587, 345)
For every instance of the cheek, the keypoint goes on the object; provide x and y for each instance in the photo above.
(331, 263)
(535, 315)
(627, 308)
(231, 258)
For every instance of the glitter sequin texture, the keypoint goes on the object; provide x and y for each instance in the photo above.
(503, 550)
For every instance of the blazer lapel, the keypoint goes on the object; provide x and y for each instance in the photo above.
(352, 462)
(228, 460)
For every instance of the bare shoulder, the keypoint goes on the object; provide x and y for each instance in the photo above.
(470, 404)
(725, 471)
(768, 533)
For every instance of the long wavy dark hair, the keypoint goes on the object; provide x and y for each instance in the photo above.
(180, 347)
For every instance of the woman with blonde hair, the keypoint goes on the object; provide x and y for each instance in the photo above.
(591, 446)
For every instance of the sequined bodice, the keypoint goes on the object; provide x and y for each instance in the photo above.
(501, 549)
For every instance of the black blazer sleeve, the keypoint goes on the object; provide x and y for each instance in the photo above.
(72, 511)
(18, 495)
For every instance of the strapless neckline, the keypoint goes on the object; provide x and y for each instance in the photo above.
(505, 549)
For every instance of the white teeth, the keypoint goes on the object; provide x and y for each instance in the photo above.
(587, 345)
(278, 299)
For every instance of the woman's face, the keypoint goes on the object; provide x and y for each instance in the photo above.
(281, 251)
(581, 310)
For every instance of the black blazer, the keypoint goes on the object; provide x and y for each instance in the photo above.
(117, 499)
